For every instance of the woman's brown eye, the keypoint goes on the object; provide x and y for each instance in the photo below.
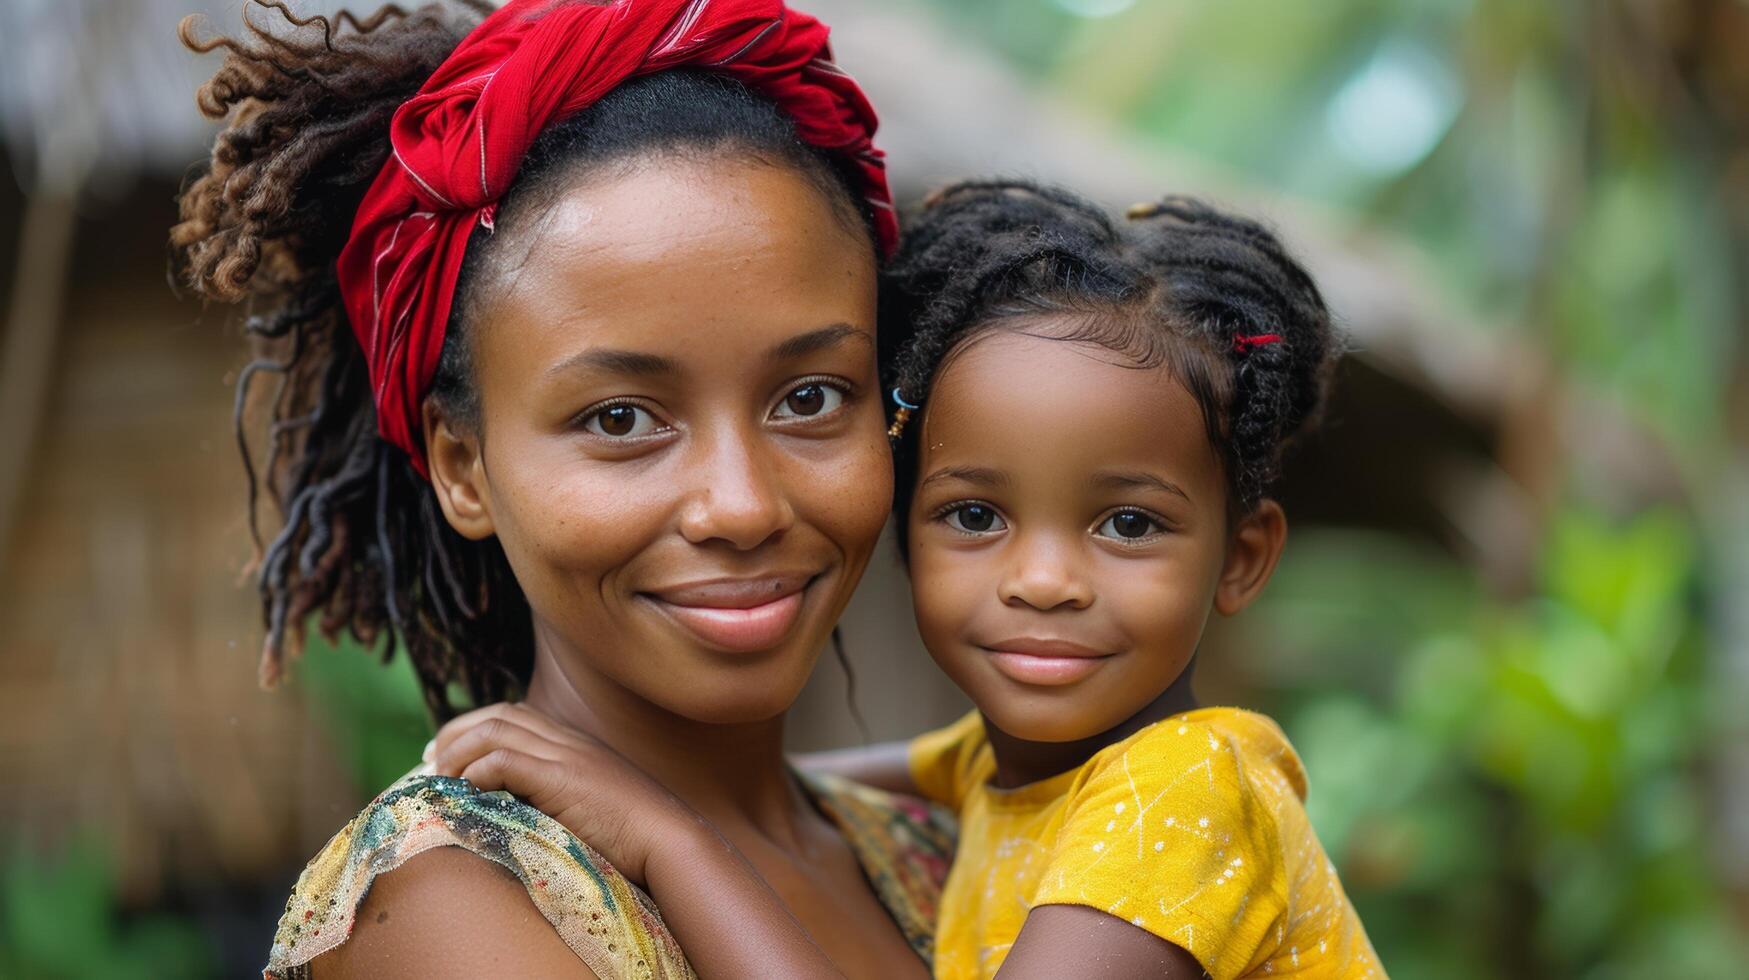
(810, 400)
(621, 421)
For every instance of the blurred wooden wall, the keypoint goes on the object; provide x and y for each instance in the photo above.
(128, 700)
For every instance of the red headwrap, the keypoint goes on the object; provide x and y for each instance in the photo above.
(458, 144)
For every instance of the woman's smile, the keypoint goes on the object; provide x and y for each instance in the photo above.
(736, 615)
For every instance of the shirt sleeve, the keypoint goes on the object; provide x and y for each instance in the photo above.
(942, 761)
(1169, 836)
(606, 920)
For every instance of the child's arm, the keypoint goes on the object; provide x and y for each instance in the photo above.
(646, 832)
(884, 765)
(1077, 941)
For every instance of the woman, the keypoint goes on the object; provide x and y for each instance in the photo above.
(575, 316)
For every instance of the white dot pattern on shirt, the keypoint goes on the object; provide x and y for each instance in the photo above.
(1145, 823)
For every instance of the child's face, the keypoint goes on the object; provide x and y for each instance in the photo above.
(1068, 533)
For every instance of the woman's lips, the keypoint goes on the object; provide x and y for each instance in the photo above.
(736, 615)
(1048, 663)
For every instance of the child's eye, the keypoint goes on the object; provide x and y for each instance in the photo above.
(621, 421)
(975, 519)
(810, 399)
(1129, 525)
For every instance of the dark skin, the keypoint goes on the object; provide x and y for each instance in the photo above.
(1064, 497)
(681, 449)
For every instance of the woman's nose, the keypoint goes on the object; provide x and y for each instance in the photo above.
(739, 496)
(1045, 575)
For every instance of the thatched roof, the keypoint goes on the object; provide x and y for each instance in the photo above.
(100, 87)
(106, 87)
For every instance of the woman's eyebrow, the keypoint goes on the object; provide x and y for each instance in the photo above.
(813, 341)
(617, 362)
(1136, 479)
(645, 364)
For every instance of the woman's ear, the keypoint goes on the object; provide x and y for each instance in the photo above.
(458, 474)
(1252, 552)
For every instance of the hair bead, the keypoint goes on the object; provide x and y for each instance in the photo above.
(901, 416)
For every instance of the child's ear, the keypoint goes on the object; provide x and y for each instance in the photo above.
(1252, 552)
(458, 475)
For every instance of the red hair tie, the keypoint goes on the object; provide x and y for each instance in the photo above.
(457, 145)
(1245, 345)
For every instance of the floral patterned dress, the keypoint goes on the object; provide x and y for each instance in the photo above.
(903, 844)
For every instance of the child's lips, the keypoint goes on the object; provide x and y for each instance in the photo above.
(1044, 662)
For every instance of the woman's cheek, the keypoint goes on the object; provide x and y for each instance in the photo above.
(577, 529)
(873, 491)
(854, 495)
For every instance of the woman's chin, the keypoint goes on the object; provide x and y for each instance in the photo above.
(731, 703)
(717, 693)
(707, 679)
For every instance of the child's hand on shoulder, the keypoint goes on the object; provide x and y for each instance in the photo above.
(643, 830)
(593, 791)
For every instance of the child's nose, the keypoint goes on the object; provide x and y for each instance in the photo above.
(1046, 576)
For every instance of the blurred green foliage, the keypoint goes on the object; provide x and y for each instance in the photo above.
(1511, 788)
(1563, 183)
(59, 920)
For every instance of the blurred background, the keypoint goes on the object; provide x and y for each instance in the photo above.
(1511, 633)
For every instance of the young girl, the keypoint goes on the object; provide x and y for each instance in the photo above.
(1090, 414)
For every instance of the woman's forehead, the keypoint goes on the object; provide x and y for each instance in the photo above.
(680, 254)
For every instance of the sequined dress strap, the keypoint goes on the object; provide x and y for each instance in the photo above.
(903, 844)
(609, 923)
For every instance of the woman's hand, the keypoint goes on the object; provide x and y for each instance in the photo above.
(596, 793)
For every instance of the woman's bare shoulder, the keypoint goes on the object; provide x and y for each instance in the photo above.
(449, 913)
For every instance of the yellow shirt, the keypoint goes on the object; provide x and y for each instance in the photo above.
(1194, 829)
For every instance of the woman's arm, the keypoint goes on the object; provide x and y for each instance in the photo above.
(1077, 941)
(726, 919)
(884, 765)
(448, 914)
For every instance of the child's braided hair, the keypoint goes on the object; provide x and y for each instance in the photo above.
(1213, 294)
